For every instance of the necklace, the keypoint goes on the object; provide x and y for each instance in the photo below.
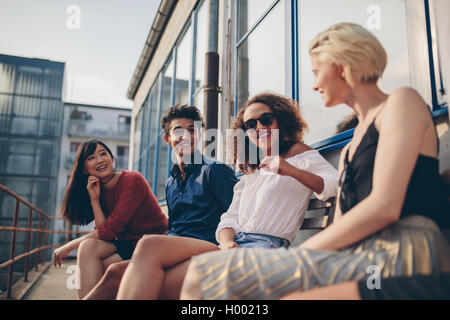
(112, 176)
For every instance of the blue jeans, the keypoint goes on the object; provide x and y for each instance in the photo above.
(251, 240)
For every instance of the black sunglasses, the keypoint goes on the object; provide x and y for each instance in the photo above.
(266, 119)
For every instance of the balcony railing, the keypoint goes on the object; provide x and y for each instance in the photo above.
(98, 129)
(40, 240)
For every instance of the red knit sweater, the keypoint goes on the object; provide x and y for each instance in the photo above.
(131, 209)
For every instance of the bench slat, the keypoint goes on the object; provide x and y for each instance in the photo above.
(315, 223)
(323, 221)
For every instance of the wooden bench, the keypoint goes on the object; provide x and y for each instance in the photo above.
(319, 222)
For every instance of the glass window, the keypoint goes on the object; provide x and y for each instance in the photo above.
(261, 58)
(137, 140)
(200, 48)
(122, 157)
(43, 195)
(386, 19)
(163, 150)
(21, 157)
(24, 125)
(6, 102)
(45, 159)
(7, 77)
(29, 80)
(145, 125)
(124, 124)
(154, 120)
(53, 83)
(199, 102)
(249, 13)
(154, 126)
(184, 68)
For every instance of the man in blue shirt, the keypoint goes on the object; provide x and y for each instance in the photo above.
(199, 188)
(198, 191)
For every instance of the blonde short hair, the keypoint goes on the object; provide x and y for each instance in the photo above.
(358, 50)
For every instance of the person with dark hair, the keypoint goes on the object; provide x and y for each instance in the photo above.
(198, 191)
(268, 205)
(121, 204)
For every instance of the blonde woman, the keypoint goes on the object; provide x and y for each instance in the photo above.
(390, 205)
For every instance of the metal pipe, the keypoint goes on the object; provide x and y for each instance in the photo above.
(211, 87)
(12, 251)
(30, 216)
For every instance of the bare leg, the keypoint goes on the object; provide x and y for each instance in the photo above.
(106, 288)
(173, 280)
(91, 252)
(341, 291)
(145, 276)
(191, 285)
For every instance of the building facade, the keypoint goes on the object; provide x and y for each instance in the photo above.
(263, 46)
(31, 119)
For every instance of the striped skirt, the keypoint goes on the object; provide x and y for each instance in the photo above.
(412, 245)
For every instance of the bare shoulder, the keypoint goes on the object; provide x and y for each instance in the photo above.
(405, 99)
(405, 104)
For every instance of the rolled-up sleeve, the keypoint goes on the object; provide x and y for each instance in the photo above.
(320, 166)
(230, 219)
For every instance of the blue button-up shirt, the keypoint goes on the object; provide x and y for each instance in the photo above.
(196, 203)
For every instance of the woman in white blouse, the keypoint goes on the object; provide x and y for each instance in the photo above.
(268, 206)
(271, 199)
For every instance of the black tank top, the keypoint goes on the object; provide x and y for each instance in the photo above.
(426, 191)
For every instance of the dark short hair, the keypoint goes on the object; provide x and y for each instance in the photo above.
(179, 111)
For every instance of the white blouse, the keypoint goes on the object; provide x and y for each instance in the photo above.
(272, 204)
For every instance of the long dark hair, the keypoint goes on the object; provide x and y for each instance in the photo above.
(290, 123)
(76, 206)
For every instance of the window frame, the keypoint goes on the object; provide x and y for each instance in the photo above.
(292, 76)
(144, 150)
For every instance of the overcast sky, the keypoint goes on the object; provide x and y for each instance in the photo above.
(99, 40)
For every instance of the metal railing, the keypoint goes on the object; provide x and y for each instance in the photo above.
(40, 241)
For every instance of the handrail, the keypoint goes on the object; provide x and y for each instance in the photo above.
(42, 232)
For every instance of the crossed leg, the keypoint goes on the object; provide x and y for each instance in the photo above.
(158, 266)
(93, 256)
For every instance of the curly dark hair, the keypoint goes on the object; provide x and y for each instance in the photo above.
(290, 123)
(179, 111)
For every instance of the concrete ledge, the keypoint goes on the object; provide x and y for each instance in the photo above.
(21, 288)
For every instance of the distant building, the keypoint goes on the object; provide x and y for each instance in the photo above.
(39, 134)
(83, 122)
(31, 118)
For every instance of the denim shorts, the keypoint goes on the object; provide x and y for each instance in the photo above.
(251, 240)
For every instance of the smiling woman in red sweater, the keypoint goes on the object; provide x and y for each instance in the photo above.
(121, 204)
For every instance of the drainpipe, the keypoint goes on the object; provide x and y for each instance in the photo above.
(211, 87)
